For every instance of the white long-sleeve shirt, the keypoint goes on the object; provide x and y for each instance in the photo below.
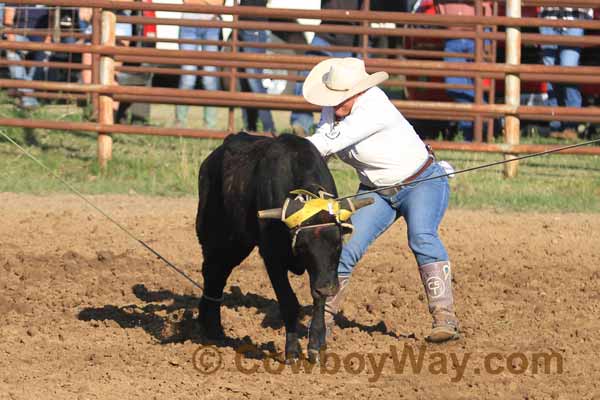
(374, 138)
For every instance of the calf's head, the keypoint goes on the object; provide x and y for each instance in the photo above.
(318, 225)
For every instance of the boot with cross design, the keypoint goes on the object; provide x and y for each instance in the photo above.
(437, 280)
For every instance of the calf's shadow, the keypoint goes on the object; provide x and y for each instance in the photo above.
(170, 318)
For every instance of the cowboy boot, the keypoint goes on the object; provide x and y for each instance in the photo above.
(333, 303)
(437, 280)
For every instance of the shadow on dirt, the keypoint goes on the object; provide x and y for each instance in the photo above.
(171, 318)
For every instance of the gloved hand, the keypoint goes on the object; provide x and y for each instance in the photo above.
(449, 169)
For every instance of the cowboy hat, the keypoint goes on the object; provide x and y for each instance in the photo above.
(335, 80)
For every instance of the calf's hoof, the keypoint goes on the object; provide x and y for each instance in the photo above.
(316, 341)
(211, 332)
(313, 356)
(209, 319)
(292, 347)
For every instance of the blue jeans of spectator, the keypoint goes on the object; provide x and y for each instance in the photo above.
(28, 74)
(256, 85)
(302, 118)
(564, 95)
(422, 205)
(461, 95)
(189, 81)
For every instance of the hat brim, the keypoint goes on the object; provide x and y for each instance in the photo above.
(316, 92)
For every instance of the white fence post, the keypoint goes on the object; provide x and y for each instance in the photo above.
(512, 95)
(107, 77)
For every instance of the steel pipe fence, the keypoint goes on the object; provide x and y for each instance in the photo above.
(108, 55)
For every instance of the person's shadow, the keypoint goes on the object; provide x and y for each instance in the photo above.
(167, 324)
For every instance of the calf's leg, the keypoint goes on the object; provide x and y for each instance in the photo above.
(316, 332)
(217, 266)
(288, 304)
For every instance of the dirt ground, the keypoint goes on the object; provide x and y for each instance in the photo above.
(87, 313)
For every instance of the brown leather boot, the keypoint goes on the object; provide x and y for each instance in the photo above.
(437, 281)
(333, 303)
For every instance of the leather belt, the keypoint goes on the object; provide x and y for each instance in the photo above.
(391, 191)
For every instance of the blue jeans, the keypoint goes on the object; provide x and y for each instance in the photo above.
(422, 205)
(22, 73)
(559, 94)
(189, 81)
(302, 118)
(256, 85)
(461, 95)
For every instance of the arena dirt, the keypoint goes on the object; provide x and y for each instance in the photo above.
(86, 313)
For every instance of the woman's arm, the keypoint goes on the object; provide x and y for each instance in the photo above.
(9, 21)
(367, 117)
(325, 125)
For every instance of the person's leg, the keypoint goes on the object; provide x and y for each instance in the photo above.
(121, 30)
(20, 72)
(210, 82)
(461, 95)
(16, 71)
(423, 205)
(570, 96)
(549, 55)
(264, 115)
(249, 116)
(38, 73)
(301, 121)
(369, 222)
(256, 85)
(186, 81)
(86, 58)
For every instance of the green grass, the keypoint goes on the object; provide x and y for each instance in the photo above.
(169, 166)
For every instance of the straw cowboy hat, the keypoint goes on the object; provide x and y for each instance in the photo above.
(334, 80)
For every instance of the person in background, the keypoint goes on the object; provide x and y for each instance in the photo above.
(26, 17)
(302, 122)
(1, 19)
(364, 129)
(563, 94)
(460, 45)
(255, 85)
(188, 81)
(85, 27)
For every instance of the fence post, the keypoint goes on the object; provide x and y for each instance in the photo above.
(512, 95)
(96, 28)
(107, 77)
(366, 6)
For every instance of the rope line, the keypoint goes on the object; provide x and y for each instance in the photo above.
(400, 185)
(193, 282)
